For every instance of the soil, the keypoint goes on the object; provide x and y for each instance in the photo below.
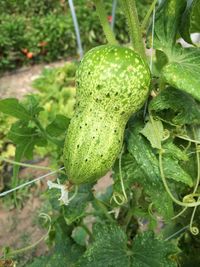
(18, 83)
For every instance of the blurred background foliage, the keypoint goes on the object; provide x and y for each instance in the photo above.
(34, 31)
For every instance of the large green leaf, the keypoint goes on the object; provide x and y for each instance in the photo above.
(191, 21)
(168, 19)
(109, 248)
(149, 251)
(144, 169)
(182, 107)
(183, 69)
(12, 107)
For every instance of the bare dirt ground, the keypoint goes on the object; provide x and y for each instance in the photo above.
(17, 84)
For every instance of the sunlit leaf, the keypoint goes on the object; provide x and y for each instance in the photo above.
(153, 131)
(182, 70)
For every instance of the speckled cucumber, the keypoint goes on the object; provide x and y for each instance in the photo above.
(112, 83)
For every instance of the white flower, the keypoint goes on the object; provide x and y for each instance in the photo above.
(64, 198)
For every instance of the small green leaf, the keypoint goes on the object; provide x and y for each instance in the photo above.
(149, 251)
(76, 208)
(58, 126)
(174, 171)
(182, 70)
(109, 248)
(79, 235)
(183, 108)
(12, 107)
(153, 131)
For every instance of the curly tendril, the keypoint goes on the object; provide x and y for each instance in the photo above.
(194, 230)
(187, 199)
(118, 198)
(47, 219)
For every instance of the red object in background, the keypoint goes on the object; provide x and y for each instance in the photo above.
(110, 19)
(42, 44)
(29, 55)
(25, 51)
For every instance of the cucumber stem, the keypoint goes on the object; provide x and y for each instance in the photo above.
(131, 14)
(147, 16)
(101, 12)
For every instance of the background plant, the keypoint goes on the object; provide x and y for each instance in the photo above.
(153, 219)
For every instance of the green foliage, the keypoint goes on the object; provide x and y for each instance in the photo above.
(179, 59)
(131, 222)
(149, 251)
(184, 111)
(191, 21)
(110, 249)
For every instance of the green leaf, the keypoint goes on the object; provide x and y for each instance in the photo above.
(58, 126)
(168, 19)
(144, 169)
(109, 248)
(191, 21)
(149, 251)
(76, 208)
(153, 131)
(79, 235)
(175, 152)
(32, 105)
(185, 109)
(182, 70)
(174, 171)
(12, 107)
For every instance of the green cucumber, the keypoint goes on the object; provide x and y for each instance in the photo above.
(112, 83)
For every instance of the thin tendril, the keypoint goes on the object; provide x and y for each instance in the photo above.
(118, 198)
(178, 202)
(120, 175)
(21, 250)
(25, 164)
(194, 191)
(188, 139)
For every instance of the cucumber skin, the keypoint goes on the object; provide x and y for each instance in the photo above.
(112, 83)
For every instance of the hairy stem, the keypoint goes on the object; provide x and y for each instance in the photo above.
(146, 18)
(130, 11)
(100, 9)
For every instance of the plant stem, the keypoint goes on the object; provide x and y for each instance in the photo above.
(104, 210)
(24, 164)
(45, 134)
(134, 26)
(87, 230)
(100, 9)
(146, 18)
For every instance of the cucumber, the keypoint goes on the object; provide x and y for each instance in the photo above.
(112, 83)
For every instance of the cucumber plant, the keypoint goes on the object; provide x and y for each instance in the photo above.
(145, 127)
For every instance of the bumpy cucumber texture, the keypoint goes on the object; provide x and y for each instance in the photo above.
(112, 83)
